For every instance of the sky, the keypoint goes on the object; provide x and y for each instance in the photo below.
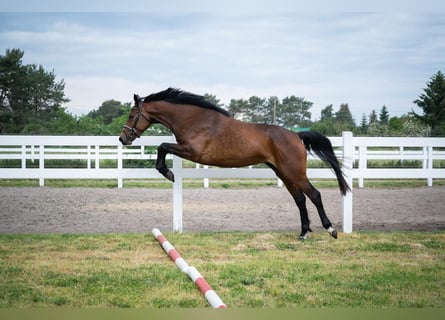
(327, 53)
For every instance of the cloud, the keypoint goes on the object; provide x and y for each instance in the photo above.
(91, 91)
(228, 6)
(364, 59)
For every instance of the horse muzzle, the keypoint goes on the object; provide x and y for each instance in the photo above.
(124, 139)
(128, 135)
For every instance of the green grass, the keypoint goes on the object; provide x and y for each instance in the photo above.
(376, 270)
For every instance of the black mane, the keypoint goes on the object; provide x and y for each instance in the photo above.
(174, 95)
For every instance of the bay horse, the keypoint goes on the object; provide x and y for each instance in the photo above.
(209, 135)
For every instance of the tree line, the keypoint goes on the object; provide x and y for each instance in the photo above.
(31, 102)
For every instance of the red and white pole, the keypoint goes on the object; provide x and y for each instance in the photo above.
(210, 294)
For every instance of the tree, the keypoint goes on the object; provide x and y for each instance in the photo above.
(293, 111)
(239, 108)
(256, 109)
(344, 117)
(377, 129)
(379, 126)
(372, 117)
(89, 126)
(364, 124)
(395, 125)
(334, 124)
(432, 102)
(384, 115)
(327, 112)
(326, 125)
(30, 97)
(413, 127)
(259, 110)
(109, 110)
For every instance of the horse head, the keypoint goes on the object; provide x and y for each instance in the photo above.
(137, 122)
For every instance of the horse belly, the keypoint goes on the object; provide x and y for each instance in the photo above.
(235, 151)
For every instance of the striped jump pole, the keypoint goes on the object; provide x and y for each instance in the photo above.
(212, 297)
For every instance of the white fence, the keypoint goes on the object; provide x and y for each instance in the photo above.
(103, 157)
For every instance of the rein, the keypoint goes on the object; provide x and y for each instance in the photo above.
(138, 116)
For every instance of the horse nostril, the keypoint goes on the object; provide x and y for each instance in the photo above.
(120, 139)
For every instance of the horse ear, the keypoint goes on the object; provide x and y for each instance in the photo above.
(136, 99)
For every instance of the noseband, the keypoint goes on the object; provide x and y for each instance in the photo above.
(132, 130)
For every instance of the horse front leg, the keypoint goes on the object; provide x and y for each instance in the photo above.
(161, 166)
(163, 150)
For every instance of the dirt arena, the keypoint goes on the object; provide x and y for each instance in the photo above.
(91, 210)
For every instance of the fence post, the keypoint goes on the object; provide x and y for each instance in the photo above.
(348, 160)
(177, 194)
(430, 166)
(119, 166)
(41, 165)
(33, 153)
(23, 156)
(362, 165)
(88, 157)
(96, 157)
(206, 180)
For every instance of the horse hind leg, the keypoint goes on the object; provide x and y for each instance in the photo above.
(300, 200)
(315, 197)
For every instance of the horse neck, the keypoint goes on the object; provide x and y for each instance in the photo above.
(171, 115)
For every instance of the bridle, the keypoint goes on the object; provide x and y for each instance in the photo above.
(132, 130)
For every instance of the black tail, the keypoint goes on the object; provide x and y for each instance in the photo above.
(314, 141)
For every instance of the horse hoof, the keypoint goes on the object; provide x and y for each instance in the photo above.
(303, 235)
(332, 232)
(170, 176)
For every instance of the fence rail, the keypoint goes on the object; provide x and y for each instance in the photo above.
(103, 157)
